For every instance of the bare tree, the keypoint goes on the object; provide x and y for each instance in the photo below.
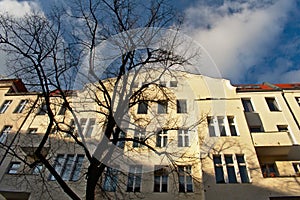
(48, 50)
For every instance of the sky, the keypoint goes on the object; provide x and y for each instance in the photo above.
(250, 41)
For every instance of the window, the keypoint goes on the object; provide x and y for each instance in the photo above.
(111, 180)
(5, 105)
(296, 167)
(219, 173)
(220, 126)
(298, 100)
(242, 169)
(21, 106)
(5, 131)
(43, 109)
(62, 109)
(211, 126)
(161, 176)
(183, 138)
(256, 129)
(135, 84)
(282, 128)
(13, 168)
(185, 179)
(230, 168)
(162, 107)
(134, 178)
(173, 83)
(37, 169)
(268, 170)
(232, 128)
(90, 128)
(32, 131)
(162, 138)
(142, 107)
(139, 135)
(162, 84)
(181, 106)
(68, 166)
(121, 143)
(272, 104)
(247, 105)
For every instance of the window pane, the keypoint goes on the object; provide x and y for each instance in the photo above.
(244, 174)
(247, 105)
(21, 106)
(90, 128)
(181, 106)
(164, 187)
(63, 109)
(5, 105)
(162, 107)
(13, 168)
(217, 160)
(231, 174)
(58, 166)
(219, 174)
(142, 107)
(218, 169)
(111, 179)
(68, 167)
(77, 168)
(156, 183)
(272, 104)
(221, 126)
(173, 83)
(121, 144)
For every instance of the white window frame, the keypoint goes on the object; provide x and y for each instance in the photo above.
(235, 165)
(162, 135)
(13, 168)
(214, 123)
(21, 106)
(5, 106)
(164, 173)
(135, 173)
(182, 135)
(186, 173)
(74, 166)
(5, 131)
(110, 179)
(139, 134)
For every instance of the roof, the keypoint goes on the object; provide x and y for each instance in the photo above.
(266, 87)
(16, 84)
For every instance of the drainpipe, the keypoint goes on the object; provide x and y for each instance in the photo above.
(19, 130)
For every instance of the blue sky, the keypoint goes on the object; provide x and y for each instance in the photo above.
(250, 41)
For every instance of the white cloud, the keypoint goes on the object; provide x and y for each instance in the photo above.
(17, 9)
(237, 34)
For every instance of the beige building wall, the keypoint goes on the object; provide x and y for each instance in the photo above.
(214, 109)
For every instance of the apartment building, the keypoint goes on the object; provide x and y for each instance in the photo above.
(208, 138)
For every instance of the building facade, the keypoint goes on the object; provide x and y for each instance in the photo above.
(186, 136)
